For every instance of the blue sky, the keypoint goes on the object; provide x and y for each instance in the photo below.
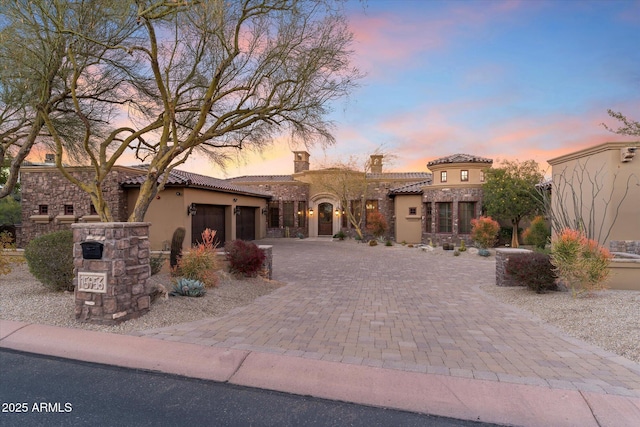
(525, 79)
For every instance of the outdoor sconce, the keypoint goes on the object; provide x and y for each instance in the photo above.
(311, 212)
(191, 209)
(264, 211)
(236, 210)
(627, 154)
(337, 212)
(299, 213)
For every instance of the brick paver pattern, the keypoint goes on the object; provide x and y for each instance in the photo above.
(408, 309)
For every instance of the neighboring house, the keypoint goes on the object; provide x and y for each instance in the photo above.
(598, 189)
(192, 201)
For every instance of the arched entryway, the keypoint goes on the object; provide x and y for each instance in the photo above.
(325, 219)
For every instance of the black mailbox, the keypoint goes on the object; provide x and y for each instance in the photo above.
(91, 250)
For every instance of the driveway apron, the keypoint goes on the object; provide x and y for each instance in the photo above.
(407, 309)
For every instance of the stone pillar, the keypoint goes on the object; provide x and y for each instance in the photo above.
(110, 287)
(266, 270)
(502, 257)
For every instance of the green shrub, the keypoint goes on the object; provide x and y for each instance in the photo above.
(188, 288)
(456, 252)
(537, 234)
(463, 246)
(388, 243)
(533, 270)
(50, 259)
(245, 258)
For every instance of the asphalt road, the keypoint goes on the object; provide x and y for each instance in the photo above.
(43, 391)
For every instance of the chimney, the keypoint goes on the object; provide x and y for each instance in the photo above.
(49, 158)
(300, 161)
(376, 163)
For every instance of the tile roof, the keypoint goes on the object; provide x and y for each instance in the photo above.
(400, 175)
(189, 179)
(262, 178)
(459, 158)
(415, 188)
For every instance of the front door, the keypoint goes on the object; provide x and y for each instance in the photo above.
(325, 219)
(208, 216)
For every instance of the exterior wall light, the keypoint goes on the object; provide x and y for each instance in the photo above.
(311, 212)
(236, 210)
(337, 212)
(264, 211)
(191, 209)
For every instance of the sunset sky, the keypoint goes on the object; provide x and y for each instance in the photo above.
(525, 79)
(522, 79)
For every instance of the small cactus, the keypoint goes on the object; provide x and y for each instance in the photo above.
(188, 288)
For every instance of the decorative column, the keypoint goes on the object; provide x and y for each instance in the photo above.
(111, 268)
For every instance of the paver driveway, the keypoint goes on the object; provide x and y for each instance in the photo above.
(408, 309)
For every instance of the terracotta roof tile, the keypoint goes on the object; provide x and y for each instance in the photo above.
(189, 179)
(459, 158)
(415, 188)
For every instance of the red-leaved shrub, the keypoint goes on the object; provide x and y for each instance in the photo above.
(245, 258)
(534, 270)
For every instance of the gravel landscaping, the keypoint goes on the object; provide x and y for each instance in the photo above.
(608, 319)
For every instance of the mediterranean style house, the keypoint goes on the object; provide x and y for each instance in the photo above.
(418, 206)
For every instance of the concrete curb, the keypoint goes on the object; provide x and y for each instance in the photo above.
(462, 398)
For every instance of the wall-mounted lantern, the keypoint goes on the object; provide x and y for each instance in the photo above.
(191, 209)
(236, 210)
(311, 212)
(264, 211)
(337, 212)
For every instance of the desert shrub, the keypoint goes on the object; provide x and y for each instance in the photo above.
(537, 234)
(373, 243)
(388, 243)
(5, 243)
(176, 247)
(463, 246)
(50, 259)
(581, 263)
(484, 231)
(376, 224)
(156, 262)
(456, 252)
(245, 258)
(188, 288)
(201, 263)
(533, 270)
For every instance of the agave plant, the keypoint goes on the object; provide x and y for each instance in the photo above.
(188, 288)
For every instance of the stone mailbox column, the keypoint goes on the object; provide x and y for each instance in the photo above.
(110, 284)
(502, 257)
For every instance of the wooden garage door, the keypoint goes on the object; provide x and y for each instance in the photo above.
(208, 216)
(246, 223)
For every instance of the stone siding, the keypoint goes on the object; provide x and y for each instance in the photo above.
(432, 196)
(115, 288)
(51, 188)
(627, 246)
(502, 258)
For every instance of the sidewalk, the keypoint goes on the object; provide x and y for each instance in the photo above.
(387, 327)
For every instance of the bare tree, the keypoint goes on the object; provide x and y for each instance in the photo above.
(36, 38)
(630, 127)
(206, 77)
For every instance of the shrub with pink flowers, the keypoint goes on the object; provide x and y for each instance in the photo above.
(581, 263)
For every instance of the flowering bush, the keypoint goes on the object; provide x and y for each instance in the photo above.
(201, 263)
(244, 257)
(484, 231)
(580, 262)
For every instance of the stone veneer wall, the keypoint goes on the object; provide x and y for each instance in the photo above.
(47, 186)
(112, 289)
(502, 257)
(454, 195)
(628, 246)
(266, 270)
